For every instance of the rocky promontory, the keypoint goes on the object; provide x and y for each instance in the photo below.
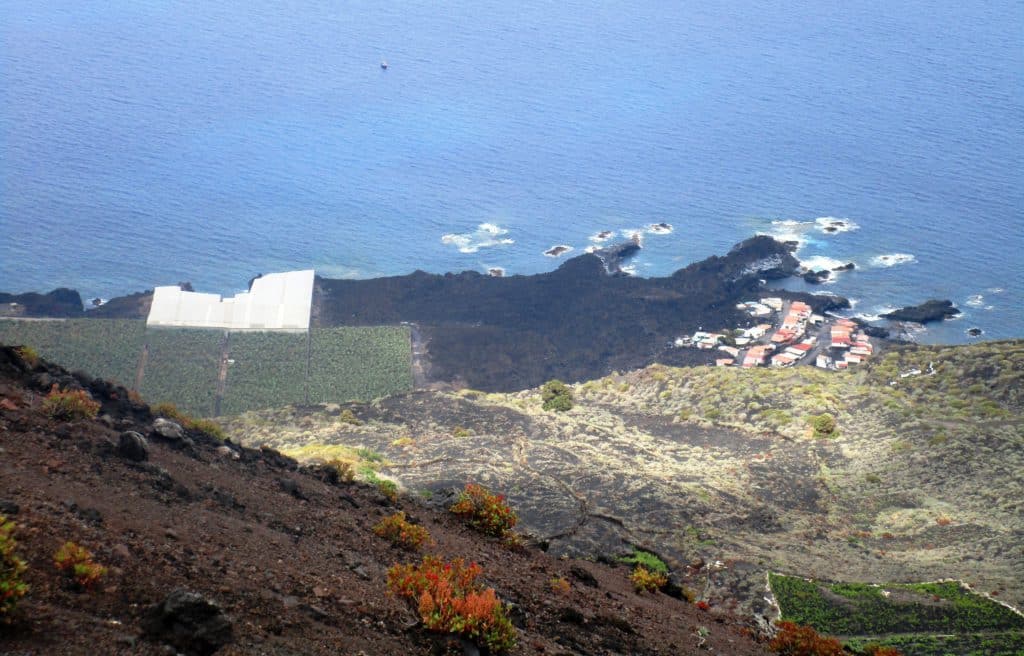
(582, 320)
(933, 310)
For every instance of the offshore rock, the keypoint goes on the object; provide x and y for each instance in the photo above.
(933, 310)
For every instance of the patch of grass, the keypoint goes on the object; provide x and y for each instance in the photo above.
(69, 405)
(645, 559)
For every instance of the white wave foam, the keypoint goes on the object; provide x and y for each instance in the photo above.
(496, 272)
(831, 225)
(892, 259)
(819, 262)
(559, 250)
(977, 300)
(995, 290)
(629, 269)
(485, 236)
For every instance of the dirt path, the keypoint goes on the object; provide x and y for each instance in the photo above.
(222, 375)
(140, 371)
(420, 357)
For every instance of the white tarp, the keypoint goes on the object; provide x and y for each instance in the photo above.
(277, 301)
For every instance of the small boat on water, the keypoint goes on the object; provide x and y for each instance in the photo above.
(384, 64)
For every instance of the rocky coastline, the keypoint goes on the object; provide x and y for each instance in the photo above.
(583, 320)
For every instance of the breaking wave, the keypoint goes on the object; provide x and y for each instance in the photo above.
(831, 225)
(485, 236)
(892, 259)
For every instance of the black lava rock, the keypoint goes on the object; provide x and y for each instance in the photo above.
(133, 446)
(932, 310)
(189, 622)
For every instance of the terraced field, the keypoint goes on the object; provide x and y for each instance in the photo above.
(920, 619)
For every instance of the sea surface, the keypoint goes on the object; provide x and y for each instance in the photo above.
(150, 142)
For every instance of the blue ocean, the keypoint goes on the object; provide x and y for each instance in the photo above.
(148, 142)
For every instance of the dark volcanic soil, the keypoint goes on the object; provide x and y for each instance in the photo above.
(575, 323)
(288, 554)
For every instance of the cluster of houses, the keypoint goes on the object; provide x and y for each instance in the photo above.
(793, 341)
(854, 345)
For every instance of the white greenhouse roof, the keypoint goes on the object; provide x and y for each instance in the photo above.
(277, 301)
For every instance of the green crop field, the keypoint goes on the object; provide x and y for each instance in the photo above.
(104, 348)
(921, 619)
(266, 370)
(359, 363)
(182, 368)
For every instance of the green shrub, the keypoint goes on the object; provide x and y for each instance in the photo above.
(12, 588)
(70, 405)
(824, 425)
(556, 396)
(641, 558)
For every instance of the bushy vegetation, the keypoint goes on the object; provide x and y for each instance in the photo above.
(485, 511)
(645, 559)
(824, 425)
(556, 396)
(77, 564)
(451, 600)
(644, 579)
(402, 532)
(857, 609)
(795, 640)
(70, 405)
(104, 348)
(12, 588)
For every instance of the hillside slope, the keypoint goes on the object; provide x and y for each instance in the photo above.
(719, 471)
(287, 552)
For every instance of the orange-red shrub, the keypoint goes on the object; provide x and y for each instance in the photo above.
(401, 532)
(485, 511)
(450, 600)
(795, 640)
(644, 579)
(70, 405)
